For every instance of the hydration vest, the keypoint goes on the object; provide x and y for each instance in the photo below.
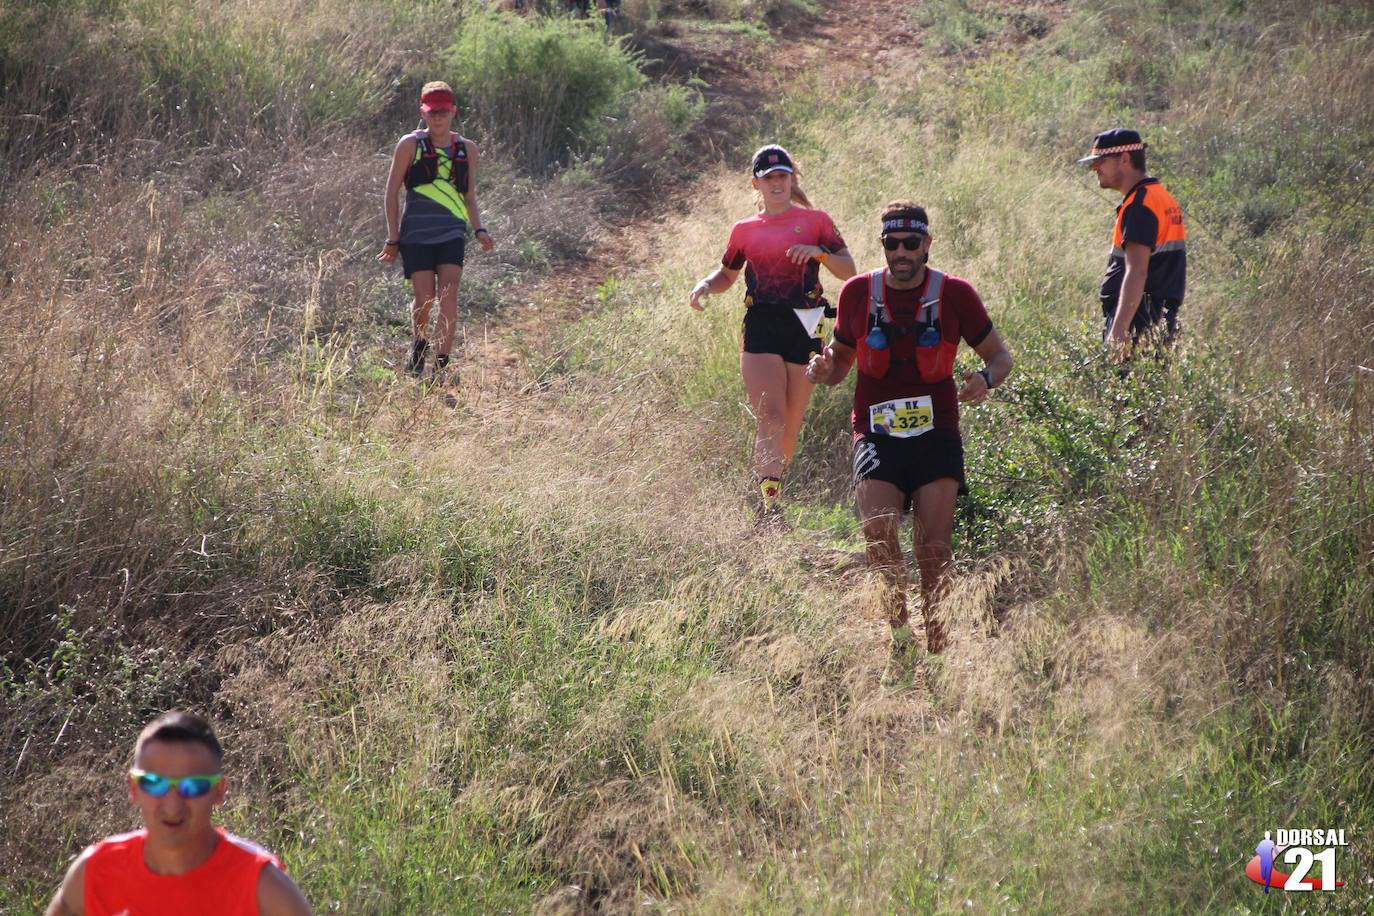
(925, 356)
(428, 166)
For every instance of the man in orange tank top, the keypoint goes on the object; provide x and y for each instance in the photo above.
(1148, 264)
(180, 862)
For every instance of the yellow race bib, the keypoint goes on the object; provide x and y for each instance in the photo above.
(902, 418)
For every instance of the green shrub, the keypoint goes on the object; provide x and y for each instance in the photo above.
(957, 25)
(541, 88)
(647, 145)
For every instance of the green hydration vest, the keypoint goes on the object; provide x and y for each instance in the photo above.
(439, 174)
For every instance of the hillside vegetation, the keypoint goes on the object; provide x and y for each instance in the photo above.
(519, 648)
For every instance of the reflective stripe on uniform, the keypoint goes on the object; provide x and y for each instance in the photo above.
(1169, 233)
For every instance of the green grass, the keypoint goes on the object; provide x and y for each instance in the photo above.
(1198, 484)
(466, 657)
(956, 26)
(738, 28)
(142, 72)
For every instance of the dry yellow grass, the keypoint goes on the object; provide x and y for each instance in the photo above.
(530, 626)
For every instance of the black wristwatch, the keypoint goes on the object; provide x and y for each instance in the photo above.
(482, 231)
(987, 377)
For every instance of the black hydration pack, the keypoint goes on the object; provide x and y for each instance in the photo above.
(426, 165)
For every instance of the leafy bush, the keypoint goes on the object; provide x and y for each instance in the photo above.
(647, 146)
(541, 88)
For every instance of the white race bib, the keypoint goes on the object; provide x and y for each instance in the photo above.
(810, 318)
(902, 418)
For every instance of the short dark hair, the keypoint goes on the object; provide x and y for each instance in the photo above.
(179, 725)
(904, 209)
(1137, 159)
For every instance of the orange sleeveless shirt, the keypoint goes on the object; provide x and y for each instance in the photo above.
(119, 883)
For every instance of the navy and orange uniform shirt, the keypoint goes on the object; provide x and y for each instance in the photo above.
(962, 317)
(761, 243)
(1148, 214)
(118, 880)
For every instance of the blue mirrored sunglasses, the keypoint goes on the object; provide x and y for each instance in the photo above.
(157, 785)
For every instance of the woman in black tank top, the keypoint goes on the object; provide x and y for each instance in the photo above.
(438, 170)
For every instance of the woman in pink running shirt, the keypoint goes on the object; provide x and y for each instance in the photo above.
(781, 249)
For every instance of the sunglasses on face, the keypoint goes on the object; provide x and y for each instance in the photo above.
(157, 785)
(909, 242)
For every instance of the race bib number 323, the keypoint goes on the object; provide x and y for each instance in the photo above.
(902, 418)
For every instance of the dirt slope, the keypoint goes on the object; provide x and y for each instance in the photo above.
(851, 43)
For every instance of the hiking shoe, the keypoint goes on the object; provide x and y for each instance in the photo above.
(444, 373)
(767, 507)
(415, 365)
(770, 493)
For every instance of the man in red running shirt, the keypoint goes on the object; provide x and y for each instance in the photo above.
(180, 862)
(902, 326)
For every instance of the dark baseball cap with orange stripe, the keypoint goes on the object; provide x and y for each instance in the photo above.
(1111, 142)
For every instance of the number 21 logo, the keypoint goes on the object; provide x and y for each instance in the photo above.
(1303, 859)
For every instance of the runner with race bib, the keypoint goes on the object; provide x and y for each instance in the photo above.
(902, 326)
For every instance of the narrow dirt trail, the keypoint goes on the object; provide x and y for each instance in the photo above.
(505, 353)
(855, 44)
(852, 42)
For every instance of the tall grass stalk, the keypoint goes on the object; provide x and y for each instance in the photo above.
(527, 644)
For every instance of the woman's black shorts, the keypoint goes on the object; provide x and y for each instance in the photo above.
(428, 257)
(909, 464)
(775, 329)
